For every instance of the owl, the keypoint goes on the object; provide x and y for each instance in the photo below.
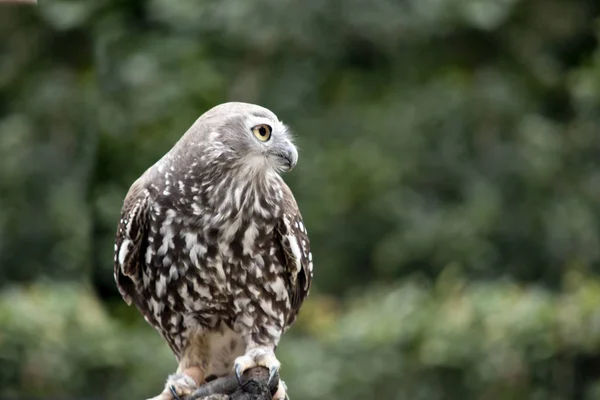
(211, 247)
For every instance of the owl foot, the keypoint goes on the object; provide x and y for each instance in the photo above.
(281, 393)
(257, 357)
(260, 357)
(177, 387)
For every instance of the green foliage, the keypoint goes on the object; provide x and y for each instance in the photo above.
(448, 177)
(57, 339)
(454, 340)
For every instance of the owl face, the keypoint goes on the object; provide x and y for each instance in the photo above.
(270, 140)
(256, 136)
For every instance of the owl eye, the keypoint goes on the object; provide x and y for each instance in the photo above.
(262, 132)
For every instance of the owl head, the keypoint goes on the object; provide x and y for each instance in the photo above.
(245, 134)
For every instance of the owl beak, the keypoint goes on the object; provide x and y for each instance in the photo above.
(289, 158)
(283, 155)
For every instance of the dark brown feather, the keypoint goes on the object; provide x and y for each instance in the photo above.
(131, 232)
(299, 279)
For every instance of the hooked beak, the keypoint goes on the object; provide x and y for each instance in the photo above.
(283, 156)
(289, 158)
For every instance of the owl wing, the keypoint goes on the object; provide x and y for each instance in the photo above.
(293, 239)
(130, 241)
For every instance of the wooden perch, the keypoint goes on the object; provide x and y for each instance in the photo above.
(227, 388)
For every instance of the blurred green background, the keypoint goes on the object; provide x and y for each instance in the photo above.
(449, 177)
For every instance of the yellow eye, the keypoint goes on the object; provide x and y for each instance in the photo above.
(262, 132)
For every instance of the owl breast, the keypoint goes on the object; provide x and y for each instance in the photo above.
(226, 280)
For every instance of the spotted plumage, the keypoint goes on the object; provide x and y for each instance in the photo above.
(211, 247)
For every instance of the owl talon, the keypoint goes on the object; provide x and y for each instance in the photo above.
(259, 357)
(238, 374)
(272, 372)
(174, 392)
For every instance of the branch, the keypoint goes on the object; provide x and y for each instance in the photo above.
(254, 387)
